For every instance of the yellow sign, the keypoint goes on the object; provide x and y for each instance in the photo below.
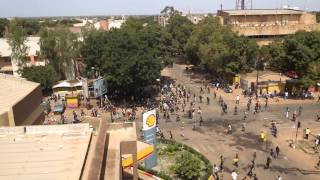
(151, 120)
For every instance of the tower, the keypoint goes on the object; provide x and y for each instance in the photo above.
(243, 4)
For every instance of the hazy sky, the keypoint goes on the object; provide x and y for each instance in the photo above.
(9, 8)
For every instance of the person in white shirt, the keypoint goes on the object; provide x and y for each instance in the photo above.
(237, 99)
(234, 175)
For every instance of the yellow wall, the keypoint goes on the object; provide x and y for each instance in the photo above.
(279, 87)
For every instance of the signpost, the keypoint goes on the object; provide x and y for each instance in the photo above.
(149, 129)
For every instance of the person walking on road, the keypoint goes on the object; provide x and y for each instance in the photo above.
(318, 163)
(236, 160)
(221, 162)
(268, 162)
(307, 133)
(277, 151)
(234, 175)
(216, 172)
(237, 99)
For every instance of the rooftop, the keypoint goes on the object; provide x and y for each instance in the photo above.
(265, 76)
(31, 42)
(12, 90)
(262, 12)
(43, 152)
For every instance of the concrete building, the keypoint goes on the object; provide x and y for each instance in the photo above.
(20, 101)
(44, 152)
(72, 151)
(9, 65)
(268, 23)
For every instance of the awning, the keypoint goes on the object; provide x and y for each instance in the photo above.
(62, 84)
(143, 150)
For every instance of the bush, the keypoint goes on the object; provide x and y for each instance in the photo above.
(160, 174)
(208, 166)
(187, 166)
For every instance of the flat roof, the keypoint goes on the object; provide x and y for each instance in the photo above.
(32, 42)
(43, 152)
(262, 12)
(13, 89)
(265, 76)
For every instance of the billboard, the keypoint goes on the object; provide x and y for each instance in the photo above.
(149, 122)
(100, 87)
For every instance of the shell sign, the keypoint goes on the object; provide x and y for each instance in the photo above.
(149, 119)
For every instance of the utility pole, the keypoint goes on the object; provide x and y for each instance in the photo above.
(257, 80)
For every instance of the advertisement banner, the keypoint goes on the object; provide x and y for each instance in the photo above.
(149, 131)
(149, 120)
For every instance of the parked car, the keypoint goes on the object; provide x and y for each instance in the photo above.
(58, 108)
(227, 89)
(292, 74)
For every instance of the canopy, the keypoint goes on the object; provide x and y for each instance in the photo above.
(67, 84)
(62, 84)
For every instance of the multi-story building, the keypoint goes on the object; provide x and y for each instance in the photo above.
(9, 65)
(268, 23)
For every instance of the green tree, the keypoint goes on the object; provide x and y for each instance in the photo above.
(45, 75)
(3, 24)
(130, 58)
(16, 38)
(187, 166)
(60, 48)
(219, 49)
(299, 52)
(180, 28)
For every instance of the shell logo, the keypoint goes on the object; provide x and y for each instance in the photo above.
(151, 120)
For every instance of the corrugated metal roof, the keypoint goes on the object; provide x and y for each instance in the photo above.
(261, 12)
(32, 43)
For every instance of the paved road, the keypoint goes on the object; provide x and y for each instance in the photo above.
(211, 140)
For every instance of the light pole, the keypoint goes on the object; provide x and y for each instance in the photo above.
(257, 80)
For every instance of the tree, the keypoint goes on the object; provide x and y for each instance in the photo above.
(16, 38)
(299, 52)
(219, 49)
(3, 24)
(60, 48)
(187, 166)
(180, 28)
(129, 58)
(45, 75)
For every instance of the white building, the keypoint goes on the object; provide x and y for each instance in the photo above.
(9, 65)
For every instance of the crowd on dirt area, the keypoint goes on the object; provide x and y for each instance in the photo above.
(176, 101)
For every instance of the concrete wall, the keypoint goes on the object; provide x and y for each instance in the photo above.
(4, 121)
(29, 107)
(270, 25)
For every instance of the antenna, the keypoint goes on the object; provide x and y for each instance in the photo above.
(243, 4)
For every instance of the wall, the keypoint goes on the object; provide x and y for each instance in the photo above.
(270, 25)
(24, 108)
(4, 121)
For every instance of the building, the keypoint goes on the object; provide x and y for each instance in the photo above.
(72, 151)
(44, 152)
(268, 82)
(9, 65)
(268, 23)
(162, 20)
(115, 23)
(102, 25)
(196, 18)
(20, 101)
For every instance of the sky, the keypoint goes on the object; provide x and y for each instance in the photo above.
(34, 8)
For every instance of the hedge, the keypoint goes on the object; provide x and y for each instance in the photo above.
(208, 165)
